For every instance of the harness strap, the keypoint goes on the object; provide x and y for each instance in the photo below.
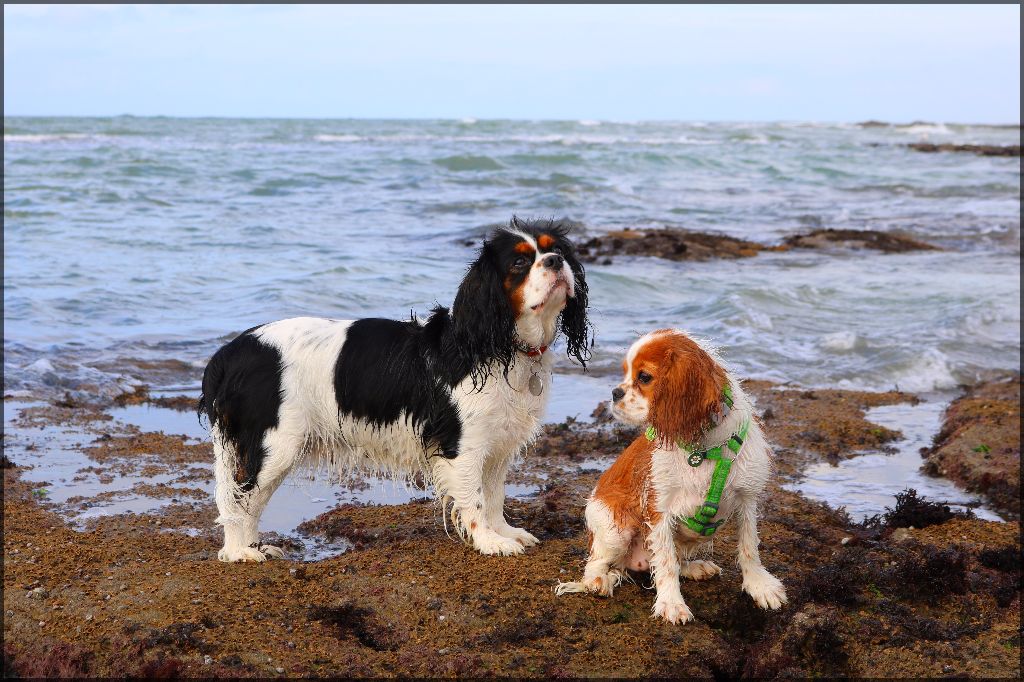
(701, 522)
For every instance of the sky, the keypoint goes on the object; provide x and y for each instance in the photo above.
(949, 63)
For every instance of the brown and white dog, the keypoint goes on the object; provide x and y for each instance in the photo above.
(637, 514)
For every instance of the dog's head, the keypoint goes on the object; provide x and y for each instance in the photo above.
(525, 285)
(670, 383)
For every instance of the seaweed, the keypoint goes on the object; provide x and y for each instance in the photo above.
(348, 619)
(911, 510)
(524, 628)
(47, 659)
(1005, 591)
(837, 582)
(914, 627)
(1006, 559)
(180, 636)
(810, 643)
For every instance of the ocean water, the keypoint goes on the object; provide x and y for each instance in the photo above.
(132, 241)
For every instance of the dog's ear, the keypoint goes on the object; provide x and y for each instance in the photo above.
(688, 393)
(483, 323)
(576, 326)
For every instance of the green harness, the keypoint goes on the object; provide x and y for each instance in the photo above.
(701, 522)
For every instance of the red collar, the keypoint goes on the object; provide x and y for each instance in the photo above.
(536, 351)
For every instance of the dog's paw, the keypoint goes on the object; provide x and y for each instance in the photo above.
(602, 585)
(699, 570)
(491, 543)
(675, 611)
(236, 554)
(271, 551)
(519, 535)
(767, 590)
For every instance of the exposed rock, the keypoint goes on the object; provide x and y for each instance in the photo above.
(684, 245)
(980, 149)
(886, 242)
(666, 243)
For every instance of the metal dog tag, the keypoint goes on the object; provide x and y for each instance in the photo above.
(536, 384)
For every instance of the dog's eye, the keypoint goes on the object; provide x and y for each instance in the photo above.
(520, 263)
(644, 378)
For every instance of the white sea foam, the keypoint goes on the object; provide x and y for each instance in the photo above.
(929, 371)
(759, 319)
(41, 366)
(567, 140)
(925, 129)
(46, 137)
(588, 122)
(685, 139)
(338, 138)
(841, 341)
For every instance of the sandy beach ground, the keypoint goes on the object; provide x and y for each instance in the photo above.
(919, 591)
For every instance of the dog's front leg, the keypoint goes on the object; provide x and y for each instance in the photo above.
(461, 480)
(767, 590)
(665, 569)
(495, 472)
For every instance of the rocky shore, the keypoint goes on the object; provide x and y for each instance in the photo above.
(918, 591)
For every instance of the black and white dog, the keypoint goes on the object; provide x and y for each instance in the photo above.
(456, 398)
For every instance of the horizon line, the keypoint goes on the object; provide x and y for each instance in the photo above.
(475, 119)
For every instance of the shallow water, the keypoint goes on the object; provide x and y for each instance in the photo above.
(131, 242)
(56, 462)
(868, 483)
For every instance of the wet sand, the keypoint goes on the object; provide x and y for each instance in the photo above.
(142, 593)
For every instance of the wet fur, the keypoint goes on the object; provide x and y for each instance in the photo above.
(635, 514)
(446, 398)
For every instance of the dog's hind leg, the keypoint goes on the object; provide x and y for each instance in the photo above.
(767, 590)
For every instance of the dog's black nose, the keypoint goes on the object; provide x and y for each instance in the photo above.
(617, 394)
(553, 261)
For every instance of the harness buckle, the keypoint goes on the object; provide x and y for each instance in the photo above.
(703, 528)
(708, 509)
